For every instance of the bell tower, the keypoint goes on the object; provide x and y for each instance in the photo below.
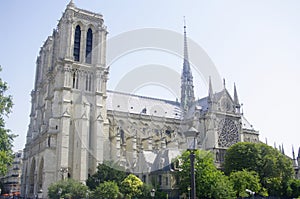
(68, 128)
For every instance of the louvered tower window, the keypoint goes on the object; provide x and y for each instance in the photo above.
(77, 37)
(89, 46)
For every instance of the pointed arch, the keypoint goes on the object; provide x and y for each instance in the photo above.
(25, 178)
(41, 174)
(77, 38)
(31, 177)
(89, 46)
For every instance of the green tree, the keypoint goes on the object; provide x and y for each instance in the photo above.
(274, 169)
(106, 172)
(146, 190)
(243, 180)
(210, 182)
(131, 186)
(67, 189)
(294, 188)
(6, 138)
(107, 189)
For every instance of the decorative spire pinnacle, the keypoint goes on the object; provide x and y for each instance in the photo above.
(242, 111)
(236, 100)
(210, 91)
(187, 87)
(293, 152)
(71, 4)
(295, 162)
(224, 83)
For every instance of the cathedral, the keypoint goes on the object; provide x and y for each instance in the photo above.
(76, 123)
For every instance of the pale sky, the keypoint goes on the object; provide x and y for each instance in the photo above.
(253, 43)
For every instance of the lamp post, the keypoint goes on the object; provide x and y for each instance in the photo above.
(191, 139)
(189, 191)
(59, 192)
(152, 193)
(250, 192)
(63, 170)
(87, 194)
(40, 193)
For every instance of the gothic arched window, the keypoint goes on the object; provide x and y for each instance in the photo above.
(77, 37)
(89, 46)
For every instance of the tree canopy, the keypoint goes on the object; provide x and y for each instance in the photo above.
(131, 186)
(293, 190)
(6, 138)
(210, 182)
(107, 189)
(243, 180)
(67, 189)
(106, 172)
(274, 169)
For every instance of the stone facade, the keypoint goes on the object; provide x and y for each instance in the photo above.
(68, 124)
(75, 123)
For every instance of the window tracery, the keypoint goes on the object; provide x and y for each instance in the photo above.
(89, 46)
(228, 133)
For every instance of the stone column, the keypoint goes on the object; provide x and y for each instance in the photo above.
(63, 142)
(118, 147)
(84, 150)
(134, 148)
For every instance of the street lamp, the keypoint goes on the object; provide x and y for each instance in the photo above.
(250, 192)
(59, 192)
(189, 191)
(152, 193)
(63, 170)
(191, 138)
(40, 193)
(87, 194)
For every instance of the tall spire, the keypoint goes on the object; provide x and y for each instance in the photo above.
(186, 55)
(187, 87)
